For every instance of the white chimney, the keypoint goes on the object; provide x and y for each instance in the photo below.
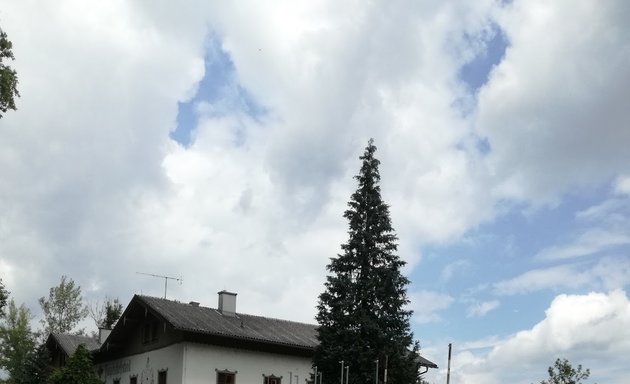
(227, 303)
(103, 333)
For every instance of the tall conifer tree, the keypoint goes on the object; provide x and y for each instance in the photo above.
(361, 312)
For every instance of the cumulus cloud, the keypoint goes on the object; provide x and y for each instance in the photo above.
(92, 182)
(554, 109)
(592, 330)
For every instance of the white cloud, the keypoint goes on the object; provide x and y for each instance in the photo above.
(606, 273)
(622, 185)
(592, 330)
(482, 309)
(554, 109)
(92, 186)
(452, 268)
(589, 242)
(426, 305)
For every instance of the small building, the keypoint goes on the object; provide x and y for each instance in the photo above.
(61, 346)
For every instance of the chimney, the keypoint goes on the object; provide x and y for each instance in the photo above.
(227, 303)
(194, 303)
(103, 333)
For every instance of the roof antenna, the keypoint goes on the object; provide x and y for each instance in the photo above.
(166, 279)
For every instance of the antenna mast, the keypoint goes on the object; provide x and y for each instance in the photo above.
(166, 279)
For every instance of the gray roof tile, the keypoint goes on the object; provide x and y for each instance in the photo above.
(70, 343)
(199, 319)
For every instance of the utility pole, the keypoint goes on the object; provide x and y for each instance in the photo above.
(166, 279)
(448, 371)
(341, 379)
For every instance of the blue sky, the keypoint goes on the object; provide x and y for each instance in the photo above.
(218, 142)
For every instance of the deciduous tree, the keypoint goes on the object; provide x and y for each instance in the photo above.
(361, 313)
(563, 373)
(8, 76)
(16, 341)
(106, 314)
(4, 296)
(64, 308)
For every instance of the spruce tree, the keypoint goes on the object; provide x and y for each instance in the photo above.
(361, 313)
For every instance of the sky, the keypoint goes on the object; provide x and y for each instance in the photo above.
(217, 142)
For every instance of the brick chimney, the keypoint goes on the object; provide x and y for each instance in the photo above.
(227, 303)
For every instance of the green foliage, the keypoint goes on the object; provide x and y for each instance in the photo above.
(563, 373)
(16, 341)
(113, 310)
(361, 312)
(63, 309)
(78, 370)
(4, 296)
(37, 368)
(106, 314)
(8, 76)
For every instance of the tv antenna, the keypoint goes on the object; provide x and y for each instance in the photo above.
(166, 279)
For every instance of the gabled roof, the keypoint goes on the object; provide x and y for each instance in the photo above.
(209, 321)
(70, 343)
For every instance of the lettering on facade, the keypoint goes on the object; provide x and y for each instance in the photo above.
(118, 367)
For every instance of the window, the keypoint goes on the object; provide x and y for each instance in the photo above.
(162, 377)
(146, 337)
(226, 377)
(150, 332)
(272, 379)
(154, 331)
(133, 380)
(116, 381)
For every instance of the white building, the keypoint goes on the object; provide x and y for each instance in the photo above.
(159, 341)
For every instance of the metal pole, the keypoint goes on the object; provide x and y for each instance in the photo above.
(165, 285)
(290, 377)
(347, 373)
(376, 372)
(386, 363)
(341, 380)
(315, 376)
(320, 377)
(448, 371)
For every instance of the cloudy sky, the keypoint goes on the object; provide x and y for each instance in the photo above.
(217, 141)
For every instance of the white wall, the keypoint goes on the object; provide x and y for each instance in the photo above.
(193, 363)
(169, 358)
(201, 362)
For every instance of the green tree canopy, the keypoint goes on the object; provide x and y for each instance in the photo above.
(563, 373)
(16, 341)
(106, 314)
(4, 296)
(78, 369)
(37, 368)
(361, 313)
(64, 308)
(8, 76)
